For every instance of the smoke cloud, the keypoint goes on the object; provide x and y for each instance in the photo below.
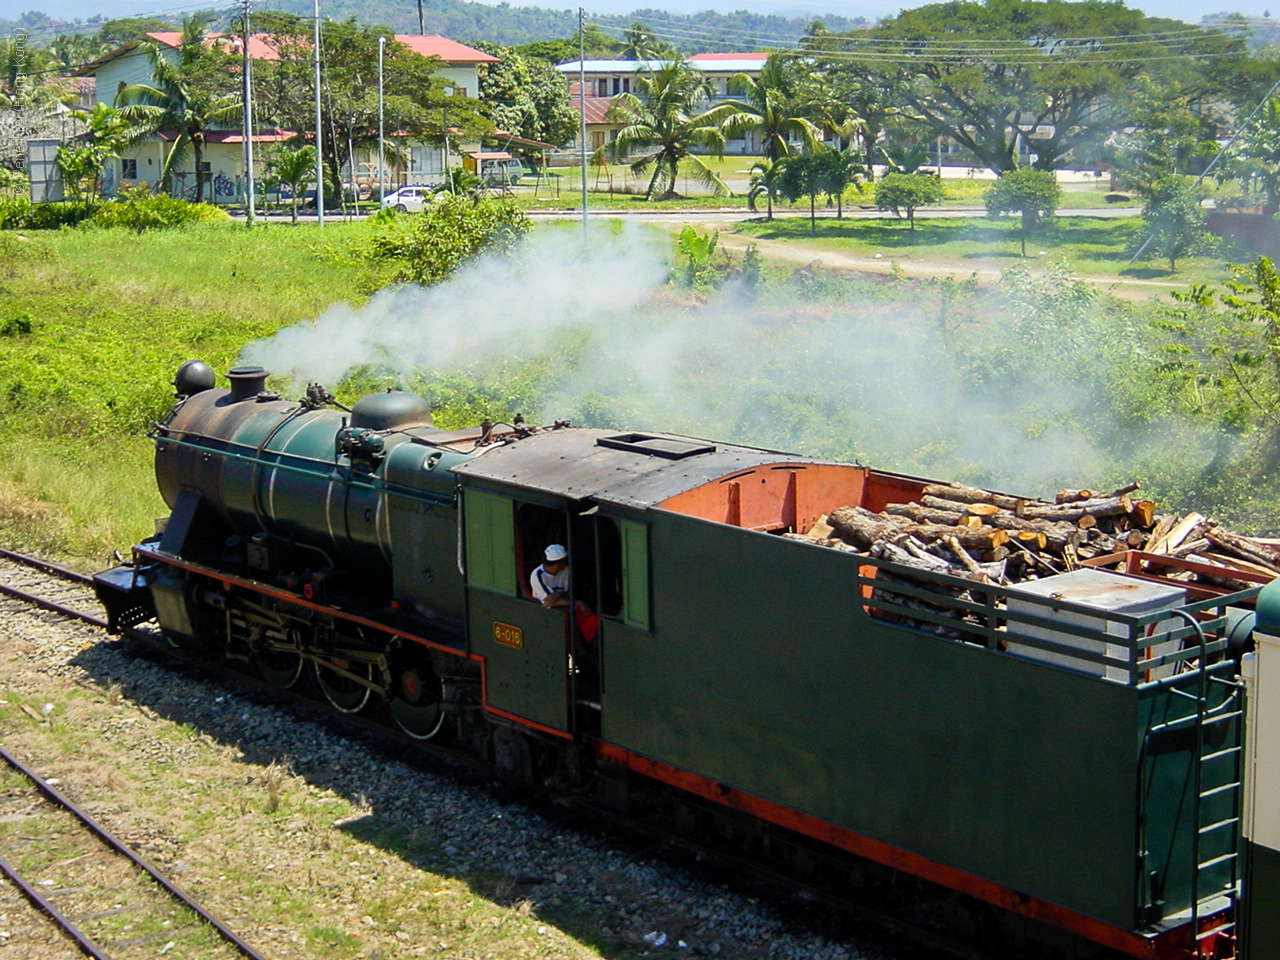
(869, 379)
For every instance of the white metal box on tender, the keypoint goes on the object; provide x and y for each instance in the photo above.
(1106, 593)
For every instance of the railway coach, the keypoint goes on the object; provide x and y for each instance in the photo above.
(1087, 761)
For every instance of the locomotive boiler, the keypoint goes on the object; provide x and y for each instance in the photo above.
(1093, 755)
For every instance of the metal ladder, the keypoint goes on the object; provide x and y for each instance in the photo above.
(1224, 768)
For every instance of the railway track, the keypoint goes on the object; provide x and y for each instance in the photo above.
(106, 898)
(67, 594)
(109, 900)
(64, 592)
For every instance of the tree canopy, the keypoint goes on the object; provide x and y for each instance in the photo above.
(1052, 73)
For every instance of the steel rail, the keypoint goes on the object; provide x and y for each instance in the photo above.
(47, 566)
(119, 847)
(53, 569)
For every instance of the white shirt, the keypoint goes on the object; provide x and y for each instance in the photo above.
(542, 583)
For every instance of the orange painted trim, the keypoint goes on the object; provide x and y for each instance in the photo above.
(523, 721)
(254, 586)
(1170, 945)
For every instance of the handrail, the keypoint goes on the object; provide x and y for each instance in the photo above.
(964, 610)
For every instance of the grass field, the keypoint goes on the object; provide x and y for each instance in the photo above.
(92, 326)
(1092, 246)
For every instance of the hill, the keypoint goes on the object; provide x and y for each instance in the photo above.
(705, 32)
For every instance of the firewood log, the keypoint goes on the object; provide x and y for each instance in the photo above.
(967, 494)
(861, 528)
(1161, 529)
(1143, 513)
(1057, 535)
(1236, 563)
(944, 504)
(982, 509)
(1243, 547)
(1073, 496)
(922, 514)
(1111, 506)
(1180, 531)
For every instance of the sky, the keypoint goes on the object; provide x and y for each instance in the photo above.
(1189, 10)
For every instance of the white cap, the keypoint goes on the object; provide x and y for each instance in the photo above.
(556, 552)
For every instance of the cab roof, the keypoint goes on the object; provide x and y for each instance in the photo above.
(634, 469)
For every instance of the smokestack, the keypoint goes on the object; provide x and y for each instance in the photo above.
(247, 382)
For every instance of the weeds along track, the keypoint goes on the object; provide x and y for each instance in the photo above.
(110, 901)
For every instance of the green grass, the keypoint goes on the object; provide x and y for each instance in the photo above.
(92, 326)
(1089, 245)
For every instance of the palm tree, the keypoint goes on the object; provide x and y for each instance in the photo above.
(294, 166)
(639, 44)
(838, 169)
(766, 109)
(766, 179)
(663, 121)
(185, 98)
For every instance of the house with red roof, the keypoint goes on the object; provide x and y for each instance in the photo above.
(223, 160)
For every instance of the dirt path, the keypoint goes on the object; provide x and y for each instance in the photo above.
(913, 268)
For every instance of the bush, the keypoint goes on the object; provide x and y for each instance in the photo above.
(140, 210)
(20, 213)
(448, 233)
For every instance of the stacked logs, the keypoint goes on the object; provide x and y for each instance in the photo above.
(990, 537)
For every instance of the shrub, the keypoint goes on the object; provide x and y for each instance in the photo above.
(140, 210)
(20, 213)
(450, 232)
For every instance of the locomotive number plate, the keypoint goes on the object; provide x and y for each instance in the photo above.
(508, 635)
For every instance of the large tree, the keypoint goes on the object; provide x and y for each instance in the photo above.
(663, 121)
(1053, 72)
(526, 96)
(190, 93)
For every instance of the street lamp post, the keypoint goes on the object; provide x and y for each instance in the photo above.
(315, 42)
(382, 185)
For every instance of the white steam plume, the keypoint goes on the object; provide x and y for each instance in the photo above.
(864, 380)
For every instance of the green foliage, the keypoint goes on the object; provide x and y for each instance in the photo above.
(695, 252)
(188, 96)
(140, 210)
(769, 108)
(1255, 161)
(294, 166)
(526, 96)
(22, 214)
(450, 232)
(908, 192)
(1031, 193)
(1173, 214)
(983, 73)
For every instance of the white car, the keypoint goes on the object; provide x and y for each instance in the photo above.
(408, 199)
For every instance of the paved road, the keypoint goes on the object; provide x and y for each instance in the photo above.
(737, 214)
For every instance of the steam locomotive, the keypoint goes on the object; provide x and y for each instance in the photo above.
(1080, 760)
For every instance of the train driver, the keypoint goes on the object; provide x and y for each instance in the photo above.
(549, 581)
(549, 584)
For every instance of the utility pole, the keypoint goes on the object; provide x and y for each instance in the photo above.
(382, 180)
(248, 120)
(582, 115)
(315, 44)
